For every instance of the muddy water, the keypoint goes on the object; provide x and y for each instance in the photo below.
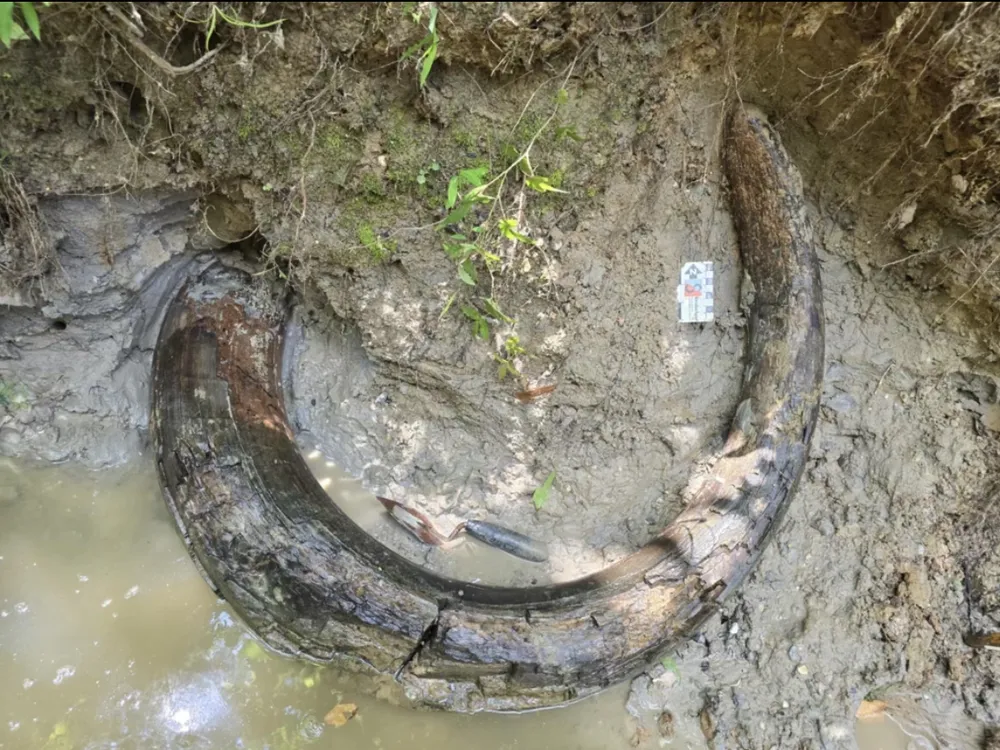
(883, 734)
(110, 639)
(464, 557)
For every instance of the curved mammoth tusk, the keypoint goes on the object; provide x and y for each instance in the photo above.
(312, 583)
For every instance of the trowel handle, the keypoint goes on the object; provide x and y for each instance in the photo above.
(507, 540)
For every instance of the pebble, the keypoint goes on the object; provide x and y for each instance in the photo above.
(665, 725)
(803, 670)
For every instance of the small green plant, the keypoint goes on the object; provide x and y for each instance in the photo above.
(424, 173)
(512, 349)
(541, 495)
(380, 249)
(467, 249)
(218, 14)
(670, 664)
(372, 187)
(508, 228)
(480, 318)
(567, 131)
(480, 326)
(464, 252)
(11, 30)
(426, 47)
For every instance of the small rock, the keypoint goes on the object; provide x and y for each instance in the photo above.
(837, 735)
(917, 587)
(707, 723)
(803, 670)
(842, 403)
(666, 725)
(906, 215)
(594, 275)
(951, 142)
(9, 438)
(956, 668)
(991, 417)
(959, 184)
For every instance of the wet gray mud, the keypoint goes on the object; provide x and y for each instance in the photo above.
(638, 396)
(888, 553)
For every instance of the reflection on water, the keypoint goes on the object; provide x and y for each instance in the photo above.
(110, 639)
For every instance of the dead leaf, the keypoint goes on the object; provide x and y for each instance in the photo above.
(871, 710)
(982, 640)
(532, 393)
(341, 714)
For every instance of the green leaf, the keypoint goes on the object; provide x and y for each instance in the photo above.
(481, 329)
(429, 56)
(6, 22)
(467, 272)
(474, 176)
(31, 18)
(513, 346)
(432, 21)
(477, 195)
(452, 192)
(670, 665)
(494, 311)
(17, 33)
(541, 184)
(471, 313)
(568, 132)
(460, 250)
(508, 228)
(562, 96)
(541, 495)
(459, 213)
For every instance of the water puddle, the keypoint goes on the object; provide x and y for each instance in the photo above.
(109, 638)
(464, 558)
(883, 734)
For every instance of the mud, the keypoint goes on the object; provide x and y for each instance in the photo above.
(889, 548)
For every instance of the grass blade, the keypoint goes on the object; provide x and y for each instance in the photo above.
(429, 56)
(6, 22)
(31, 18)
